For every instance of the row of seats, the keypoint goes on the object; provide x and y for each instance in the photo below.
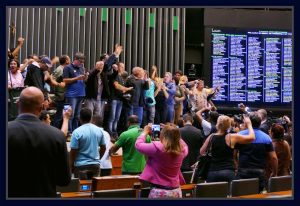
(239, 187)
(201, 190)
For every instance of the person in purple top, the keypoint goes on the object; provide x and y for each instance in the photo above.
(164, 160)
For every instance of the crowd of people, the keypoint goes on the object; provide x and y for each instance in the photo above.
(103, 109)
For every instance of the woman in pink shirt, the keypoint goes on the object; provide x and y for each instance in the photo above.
(165, 157)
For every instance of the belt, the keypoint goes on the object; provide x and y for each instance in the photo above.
(163, 187)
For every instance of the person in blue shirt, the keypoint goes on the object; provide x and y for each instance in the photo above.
(253, 158)
(85, 141)
(74, 77)
(170, 101)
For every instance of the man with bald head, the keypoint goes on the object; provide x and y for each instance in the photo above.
(37, 153)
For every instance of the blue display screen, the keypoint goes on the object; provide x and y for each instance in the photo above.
(253, 66)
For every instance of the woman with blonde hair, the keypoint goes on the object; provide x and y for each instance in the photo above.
(165, 157)
(222, 147)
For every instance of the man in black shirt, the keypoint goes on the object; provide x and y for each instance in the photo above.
(37, 153)
(194, 140)
(117, 89)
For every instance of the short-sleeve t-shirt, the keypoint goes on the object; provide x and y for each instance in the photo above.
(77, 88)
(133, 161)
(254, 155)
(87, 138)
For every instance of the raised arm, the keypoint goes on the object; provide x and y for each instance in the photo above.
(243, 139)
(142, 146)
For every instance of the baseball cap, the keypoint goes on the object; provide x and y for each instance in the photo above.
(47, 61)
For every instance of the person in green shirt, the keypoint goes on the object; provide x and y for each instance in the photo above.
(133, 162)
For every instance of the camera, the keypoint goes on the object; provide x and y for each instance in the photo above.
(238, 118)
(155, 132)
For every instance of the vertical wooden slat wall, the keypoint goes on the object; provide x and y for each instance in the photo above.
(56, 31)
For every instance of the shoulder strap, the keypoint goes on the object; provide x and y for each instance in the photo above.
(209, 146)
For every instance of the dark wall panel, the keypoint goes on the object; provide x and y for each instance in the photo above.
(56, 31)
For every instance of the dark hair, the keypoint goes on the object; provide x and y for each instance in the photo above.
(13, 60)
(180, 122)
(133, 119)
(85, 115)
(43, 115)
(63, 59)
(103, 56)
(277, 131)
(179, 72)
(255, 119)
(187, 117)
(79, 56)
(97, 120)
(214, 116)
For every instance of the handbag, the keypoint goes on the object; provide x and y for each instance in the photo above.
(202, 165)
(13, 97)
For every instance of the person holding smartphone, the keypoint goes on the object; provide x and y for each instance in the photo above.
(165, 157)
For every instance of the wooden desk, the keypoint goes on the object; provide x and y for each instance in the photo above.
(114, 182)
(281, 194)
(188, 186)
(116, 161)
(188, 190)
(76, 195)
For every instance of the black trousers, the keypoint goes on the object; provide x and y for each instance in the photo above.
(86, 172)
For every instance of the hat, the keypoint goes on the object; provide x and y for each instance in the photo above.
(47, 61)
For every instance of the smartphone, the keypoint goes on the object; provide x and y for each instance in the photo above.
(155, 132)
(66, 107)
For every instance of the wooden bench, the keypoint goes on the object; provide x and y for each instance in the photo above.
(76, 195)
(114, 182)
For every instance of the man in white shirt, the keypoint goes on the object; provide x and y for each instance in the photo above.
(105, 161)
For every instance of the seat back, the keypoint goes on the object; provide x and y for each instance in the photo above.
(280, 183)
(244, 187)
(74, 186)
(187, 176)
(116, 193)
(212, 189)
(144, 192)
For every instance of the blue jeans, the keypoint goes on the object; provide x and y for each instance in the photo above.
(75, 103)
(138, 111)
(115, 111)
(149, 114)
(170, 113)
(58, 117)
(220, 176)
